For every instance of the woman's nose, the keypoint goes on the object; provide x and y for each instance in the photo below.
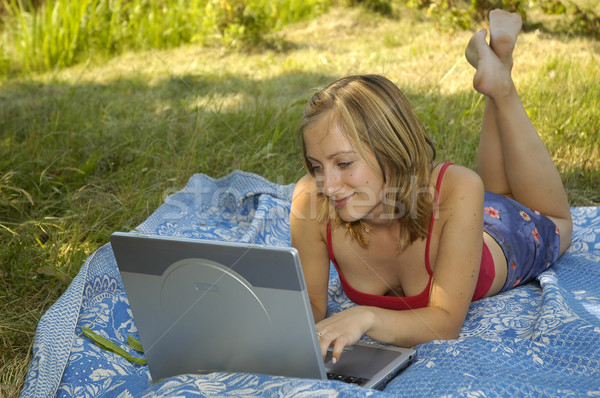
(330, 183)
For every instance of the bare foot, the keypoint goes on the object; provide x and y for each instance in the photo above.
(504, 28)
(493, 75)
(472, 51)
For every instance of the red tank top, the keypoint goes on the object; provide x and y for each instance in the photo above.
(484, 282)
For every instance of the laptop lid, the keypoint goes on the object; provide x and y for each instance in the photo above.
(205, 305)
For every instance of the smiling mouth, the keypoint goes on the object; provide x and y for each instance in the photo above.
(342, 202)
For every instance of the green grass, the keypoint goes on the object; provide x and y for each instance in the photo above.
(59, 33)
(96, 147)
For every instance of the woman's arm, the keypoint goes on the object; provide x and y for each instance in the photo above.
(455, 275)
(307, 238)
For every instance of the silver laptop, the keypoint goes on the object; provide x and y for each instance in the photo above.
(202, 306)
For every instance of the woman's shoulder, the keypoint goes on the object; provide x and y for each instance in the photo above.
(459, 183)
(307, 182)
(306, 199)
(305, 188)
(306, 205)
(455, 174)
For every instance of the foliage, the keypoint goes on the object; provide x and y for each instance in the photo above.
(480, 8)
(383, 7)
(586, 21)
(50, 37)
(576, 18)
(4, 60)
(463, 14)
(43, 35)
(59, 33)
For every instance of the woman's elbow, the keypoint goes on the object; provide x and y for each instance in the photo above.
(451, 334)
(451, 326)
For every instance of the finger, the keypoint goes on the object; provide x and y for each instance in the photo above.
(324, 342)
(338, 348)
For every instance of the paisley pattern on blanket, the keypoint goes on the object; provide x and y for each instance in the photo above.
(542, 338)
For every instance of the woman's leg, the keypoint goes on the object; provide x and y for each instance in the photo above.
(513, 159)
(490, 159)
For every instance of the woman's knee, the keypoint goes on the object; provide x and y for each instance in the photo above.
(565, 229)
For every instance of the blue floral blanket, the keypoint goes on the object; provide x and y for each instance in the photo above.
(539, 339)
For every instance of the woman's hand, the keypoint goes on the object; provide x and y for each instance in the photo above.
(344, 329)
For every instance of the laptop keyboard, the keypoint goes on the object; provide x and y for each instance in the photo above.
(347, 379)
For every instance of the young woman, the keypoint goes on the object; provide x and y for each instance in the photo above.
(413, 240)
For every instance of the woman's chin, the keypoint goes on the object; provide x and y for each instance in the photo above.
(347, 216)
(350, 214)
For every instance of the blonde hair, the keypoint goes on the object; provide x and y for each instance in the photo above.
(371, 110)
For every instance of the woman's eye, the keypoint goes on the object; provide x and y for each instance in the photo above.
(315, 169)
(343, 165)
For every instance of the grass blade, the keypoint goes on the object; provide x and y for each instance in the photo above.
(110, 346)
(135, 344)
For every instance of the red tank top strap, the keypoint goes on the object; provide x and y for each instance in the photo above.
(329, 244)
(438, 184)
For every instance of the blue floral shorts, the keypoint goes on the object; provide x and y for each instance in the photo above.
(530, 240)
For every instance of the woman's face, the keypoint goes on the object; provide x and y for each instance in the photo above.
(342, 174)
